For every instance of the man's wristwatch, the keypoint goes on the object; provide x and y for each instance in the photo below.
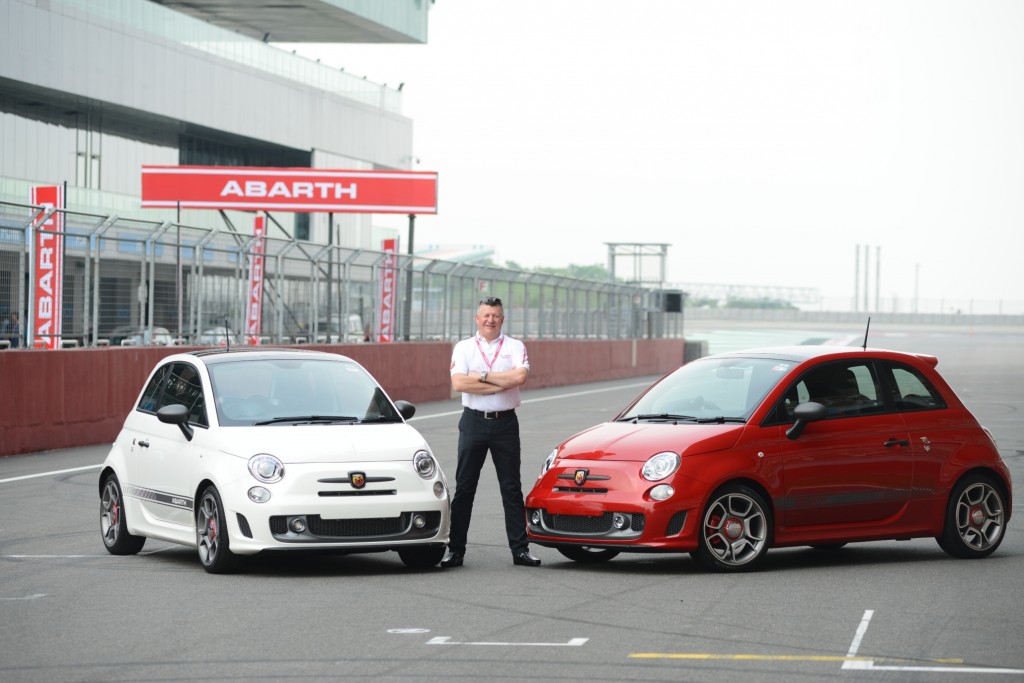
(483, 376)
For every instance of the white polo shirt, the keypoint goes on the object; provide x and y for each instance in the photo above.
(476, 355)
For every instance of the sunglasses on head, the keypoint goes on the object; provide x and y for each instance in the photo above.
(490, 301)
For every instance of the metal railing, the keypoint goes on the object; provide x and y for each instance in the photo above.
(128, 282)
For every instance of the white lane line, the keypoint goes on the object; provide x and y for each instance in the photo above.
(51, 473)
(544, 398)
(82, 557)
(446, 640)
(859, 635)
(871, 666)
(34, 596)
(868, 663)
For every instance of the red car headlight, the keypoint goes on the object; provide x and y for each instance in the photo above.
(548, 462)
(660, 466)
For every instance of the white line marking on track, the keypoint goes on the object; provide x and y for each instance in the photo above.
(446, 640)
(544, 398)
(34, 596)
(50, 557)
(854, 662)
(859, 636)
(51, 473)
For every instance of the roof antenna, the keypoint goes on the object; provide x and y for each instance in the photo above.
(865, 347)
(227, 337)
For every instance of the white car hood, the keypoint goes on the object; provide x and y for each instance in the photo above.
(323, 443)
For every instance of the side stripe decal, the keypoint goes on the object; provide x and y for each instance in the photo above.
(159, 497)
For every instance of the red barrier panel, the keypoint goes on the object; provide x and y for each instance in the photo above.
(79, 397)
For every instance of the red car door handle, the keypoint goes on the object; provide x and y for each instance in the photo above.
(896, 442)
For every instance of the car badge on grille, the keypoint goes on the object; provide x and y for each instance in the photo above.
(580, 477)
(358, 479)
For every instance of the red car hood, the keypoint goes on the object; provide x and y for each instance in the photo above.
(638, 442)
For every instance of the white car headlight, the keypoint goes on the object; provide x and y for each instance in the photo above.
(548, 462)
(424, 464)
(266, 468)
(660, 466)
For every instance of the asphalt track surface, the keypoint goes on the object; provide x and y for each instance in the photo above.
(887, 611)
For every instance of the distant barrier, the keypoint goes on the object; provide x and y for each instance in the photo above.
(81, 397)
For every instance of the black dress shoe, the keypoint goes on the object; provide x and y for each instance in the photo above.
(452, 560)
(525, 559)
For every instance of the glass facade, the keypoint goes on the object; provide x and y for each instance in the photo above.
(128, 83)
(154, 19)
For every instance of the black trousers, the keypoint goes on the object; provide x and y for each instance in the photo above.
(500, 436)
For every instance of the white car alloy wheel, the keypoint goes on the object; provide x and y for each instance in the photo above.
(211, 533)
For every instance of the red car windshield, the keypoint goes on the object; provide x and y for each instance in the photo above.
(711, 389)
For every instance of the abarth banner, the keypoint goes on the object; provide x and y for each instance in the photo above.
(49, 269)
(386, 307)
(289, 189)
(254, 306)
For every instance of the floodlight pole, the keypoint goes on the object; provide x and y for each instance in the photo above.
(407, 316)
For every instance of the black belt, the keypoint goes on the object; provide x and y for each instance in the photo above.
(492, 414)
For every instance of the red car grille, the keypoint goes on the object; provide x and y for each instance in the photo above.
(587, 524)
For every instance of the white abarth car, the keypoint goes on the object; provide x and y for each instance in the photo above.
(239, 451)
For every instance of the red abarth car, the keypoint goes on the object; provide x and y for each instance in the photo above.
(736, 453)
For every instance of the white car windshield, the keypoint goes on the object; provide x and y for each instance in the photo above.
(710, 390)
(290, 391)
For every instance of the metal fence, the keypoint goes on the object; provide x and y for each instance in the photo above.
(128, 282)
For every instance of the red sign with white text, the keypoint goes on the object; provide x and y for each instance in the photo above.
(289, 189)
(49, 269)
(388, 279)
(254, 306)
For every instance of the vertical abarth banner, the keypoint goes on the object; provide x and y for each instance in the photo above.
(388, 279)
(49, 269)
(254, 307)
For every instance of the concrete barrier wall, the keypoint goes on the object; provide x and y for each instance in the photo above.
(79, 397)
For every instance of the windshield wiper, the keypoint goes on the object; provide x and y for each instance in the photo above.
(381, 418)
(306, 419)
(657, 416)
(718, 419)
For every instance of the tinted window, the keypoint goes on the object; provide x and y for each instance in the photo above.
(176, 384)
(845, 389)
(151, 396)
(912, 391)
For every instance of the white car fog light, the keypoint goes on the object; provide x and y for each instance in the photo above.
(438, 489)
(620, 521)
(419, 521)
(535, 517)
(297, 525)
(258, 494)
(662, 492)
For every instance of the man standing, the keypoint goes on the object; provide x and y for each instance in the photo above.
(11, 329)
(488, 369)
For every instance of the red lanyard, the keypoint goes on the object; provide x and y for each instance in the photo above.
(484, 356)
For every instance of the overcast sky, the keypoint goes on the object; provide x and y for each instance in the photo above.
(762, 140)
